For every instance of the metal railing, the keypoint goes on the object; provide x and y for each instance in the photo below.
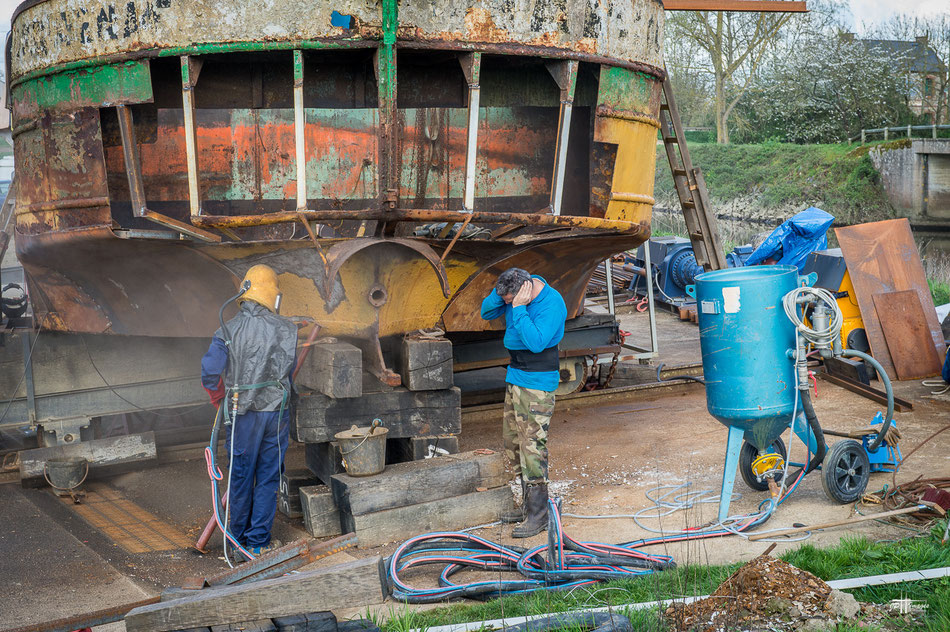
(897, 131)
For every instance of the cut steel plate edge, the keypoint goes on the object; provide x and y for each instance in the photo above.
(837, 584)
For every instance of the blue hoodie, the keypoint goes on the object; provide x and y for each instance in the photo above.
(535, 327)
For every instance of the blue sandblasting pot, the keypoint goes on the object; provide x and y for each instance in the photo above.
(744, 336)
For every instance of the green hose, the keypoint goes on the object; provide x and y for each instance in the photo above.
(889, 416)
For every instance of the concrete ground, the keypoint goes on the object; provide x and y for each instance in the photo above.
(604, 461)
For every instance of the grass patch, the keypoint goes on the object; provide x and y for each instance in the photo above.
(852, 557)
(835, 177)
(940, 291)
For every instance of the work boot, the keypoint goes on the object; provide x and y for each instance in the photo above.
(518, 513)
(536, 512)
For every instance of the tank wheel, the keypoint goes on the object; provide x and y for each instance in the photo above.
(749, 454)
(845, 471)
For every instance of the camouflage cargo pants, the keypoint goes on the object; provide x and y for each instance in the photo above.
(525, 430)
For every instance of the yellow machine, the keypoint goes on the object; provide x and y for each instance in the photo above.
(833, 276)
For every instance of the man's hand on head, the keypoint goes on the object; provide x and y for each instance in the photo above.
(523, 297)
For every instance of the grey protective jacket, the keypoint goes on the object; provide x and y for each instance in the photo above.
(263, 348)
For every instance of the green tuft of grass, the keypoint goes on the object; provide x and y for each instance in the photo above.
(940, 291)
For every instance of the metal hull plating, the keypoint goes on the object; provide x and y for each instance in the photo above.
(164, 146)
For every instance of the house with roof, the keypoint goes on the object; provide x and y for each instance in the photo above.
(926, 74)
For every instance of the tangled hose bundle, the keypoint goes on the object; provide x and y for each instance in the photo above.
(561, 564)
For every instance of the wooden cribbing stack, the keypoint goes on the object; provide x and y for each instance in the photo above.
(423, 418)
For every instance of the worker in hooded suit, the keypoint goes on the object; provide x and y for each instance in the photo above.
(253, 357)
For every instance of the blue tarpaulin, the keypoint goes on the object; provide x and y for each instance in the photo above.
(797, 237)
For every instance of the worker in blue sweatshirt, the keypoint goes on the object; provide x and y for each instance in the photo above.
(534, 325)
(253, 356)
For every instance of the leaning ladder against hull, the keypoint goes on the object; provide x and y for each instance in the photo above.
(690, 187)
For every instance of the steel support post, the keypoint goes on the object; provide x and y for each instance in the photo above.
(299, 138)
(190, 68)
(130, 153)
(565, 74)
(471, 67)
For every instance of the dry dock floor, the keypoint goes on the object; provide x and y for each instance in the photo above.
(57, 561)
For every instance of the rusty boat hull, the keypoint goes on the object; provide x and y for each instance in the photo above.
(389, 162)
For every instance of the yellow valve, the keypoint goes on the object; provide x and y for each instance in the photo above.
(767, 463)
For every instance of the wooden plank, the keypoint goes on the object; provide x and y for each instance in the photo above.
(415, 482)
(852, 369)
(405, 413)
(288, 494)
(358, 583)
(320, 514)
(334, 369)
(425, 364)
(262, 625)
(906, 333)
(458, 512)
(875, 395)
(882, 257)
(99, 453)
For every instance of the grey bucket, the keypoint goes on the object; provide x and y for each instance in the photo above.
(66, 473)
(363, 449)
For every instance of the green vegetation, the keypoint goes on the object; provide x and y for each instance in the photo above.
(833, 177)
(940, 290)
(853, 557)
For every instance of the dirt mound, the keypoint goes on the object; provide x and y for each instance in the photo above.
(766, 594)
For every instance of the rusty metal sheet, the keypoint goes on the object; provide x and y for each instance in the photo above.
(56, 32)
(566, 264)
(89, 281)
(243, 156)
(882, 257)
(113, 84)
(907, 335)
(62, 174)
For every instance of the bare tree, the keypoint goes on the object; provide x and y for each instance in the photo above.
(731, 47)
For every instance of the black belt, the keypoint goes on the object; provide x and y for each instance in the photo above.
(547, 360)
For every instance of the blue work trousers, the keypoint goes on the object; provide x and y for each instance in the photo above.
(260, 442)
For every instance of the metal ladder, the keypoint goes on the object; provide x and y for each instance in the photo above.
(690, 187)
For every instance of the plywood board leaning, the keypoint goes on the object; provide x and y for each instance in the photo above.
(905, 331)
(882, 257)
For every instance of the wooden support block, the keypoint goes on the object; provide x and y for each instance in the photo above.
(320, 514)
(262, 625)
(324, 460)
(405, 413)
(425, 364)
(358, 583)
(852, 369)
(99, 453)
(405, 484)
(417, 448)
(452, 514)
(288, 495)
(312, 622)
(334, 369)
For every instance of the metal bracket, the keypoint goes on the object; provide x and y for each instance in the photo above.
(63, 432)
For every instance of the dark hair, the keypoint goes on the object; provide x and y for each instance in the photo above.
(511, 280)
